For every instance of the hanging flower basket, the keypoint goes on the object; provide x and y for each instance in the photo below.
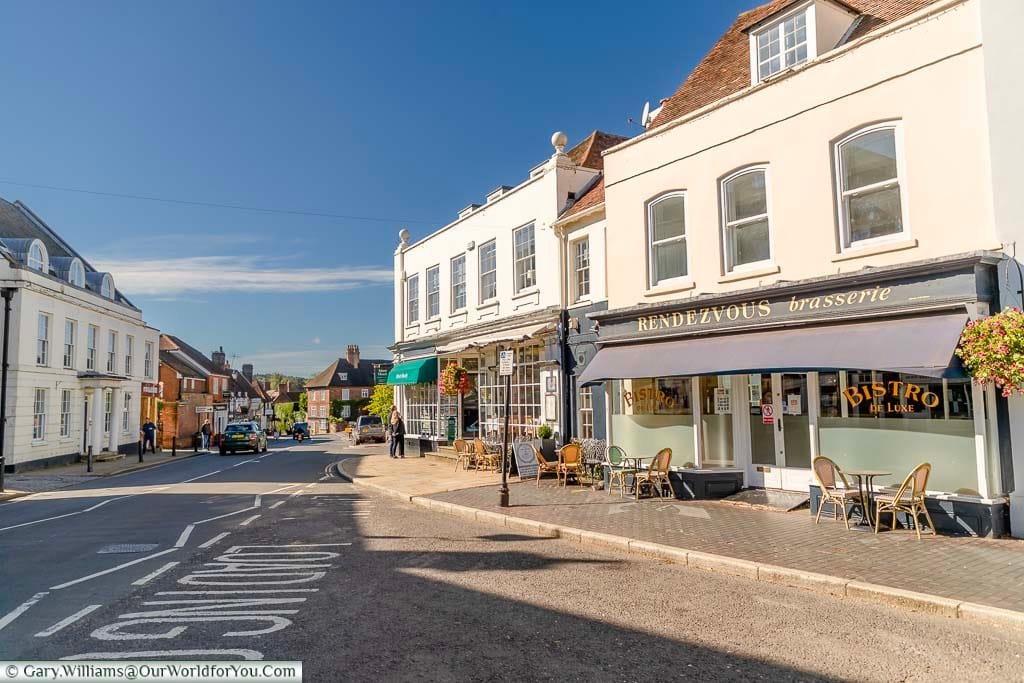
(455, 380)
(992, 350)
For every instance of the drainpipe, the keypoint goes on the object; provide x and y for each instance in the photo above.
(8, 294)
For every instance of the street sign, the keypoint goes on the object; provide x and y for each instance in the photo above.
(204, 409)
(380, 374)
(505, 360)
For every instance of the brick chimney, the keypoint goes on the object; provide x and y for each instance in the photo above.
(219, 359)
(352, 355)
(247, 371)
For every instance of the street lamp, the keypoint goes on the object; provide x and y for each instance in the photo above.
(8, 294)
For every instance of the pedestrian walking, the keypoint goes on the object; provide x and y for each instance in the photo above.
(398, 435)
(205, 431)
(149, 436)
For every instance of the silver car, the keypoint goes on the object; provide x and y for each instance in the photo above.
(368, 428)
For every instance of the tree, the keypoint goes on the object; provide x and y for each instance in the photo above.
(381, 401)
(303, 403)
(285, 414)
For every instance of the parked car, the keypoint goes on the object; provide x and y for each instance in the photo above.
(243, 436)
(300, 428)
(368, 428)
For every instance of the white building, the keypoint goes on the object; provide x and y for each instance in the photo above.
(79, 351)
(491, 279)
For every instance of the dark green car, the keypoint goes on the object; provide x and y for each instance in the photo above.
(243, 436)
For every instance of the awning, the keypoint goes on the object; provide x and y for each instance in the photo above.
(513, 335)
(922, 345)
(419, 371)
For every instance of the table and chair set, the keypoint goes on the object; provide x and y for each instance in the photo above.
(908, 498)
(477, 455)
(629, 473)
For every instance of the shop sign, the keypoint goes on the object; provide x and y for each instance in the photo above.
(894, 390)
(150, 388)
(767, 413)
(380, 374)
(218, 407)
(648, 400)
(793, 405)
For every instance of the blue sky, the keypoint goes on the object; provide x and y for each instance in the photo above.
(398, 112)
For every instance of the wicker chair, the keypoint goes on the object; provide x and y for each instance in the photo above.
(909, 498)
(543, 466)
(614, 460)
(570, 461)
(656, 474)
(464, 454)
(484, 457)
(825, 474)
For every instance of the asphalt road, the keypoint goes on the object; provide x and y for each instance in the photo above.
(362, 587)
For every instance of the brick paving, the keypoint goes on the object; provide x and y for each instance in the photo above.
(985, 571)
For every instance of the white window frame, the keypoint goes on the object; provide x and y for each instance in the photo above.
(126, 413)
(107, 286)
(108, 410)
(458, 285)
(147, 360)
(845, 239)
(577, 270)
(531, 257)
(39, 415)
(432, 288)
(92, 335)
(70, 342)
(364, 393)
(779, 23)
(653, 279)
(412, 299)
(40, 262)
(76, 273)
(111, 351)
(66, 403)
(129, 353)
(44, 325)
(726, 225)
(492, 273)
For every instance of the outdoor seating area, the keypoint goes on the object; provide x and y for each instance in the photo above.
(871, 505)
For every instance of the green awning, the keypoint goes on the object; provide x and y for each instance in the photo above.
(422, 371)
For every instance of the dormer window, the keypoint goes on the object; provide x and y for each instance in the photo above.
(76, 273)
(796, 35)
(107, 288)
(37, 257)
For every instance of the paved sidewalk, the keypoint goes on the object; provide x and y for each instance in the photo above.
(417, 476)
(53, 478)
(974, 570)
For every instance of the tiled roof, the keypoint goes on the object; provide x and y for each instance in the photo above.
(588, 152)
(194, 354)
(168, 358)
(356, 377)
(594, 196)
(726, 68)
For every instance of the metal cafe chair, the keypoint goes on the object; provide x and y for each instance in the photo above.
(615, 460)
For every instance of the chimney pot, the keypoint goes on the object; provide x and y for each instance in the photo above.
(352, 355)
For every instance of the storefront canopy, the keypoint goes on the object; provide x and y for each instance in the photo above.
(921, 345)
(420, 371)
(515, 334)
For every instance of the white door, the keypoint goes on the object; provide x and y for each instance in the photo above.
(780, 437)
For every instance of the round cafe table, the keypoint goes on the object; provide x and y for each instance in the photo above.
(865, 479)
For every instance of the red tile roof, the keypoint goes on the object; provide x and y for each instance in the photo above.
(594, 196)
(588, 152)
(726, 68)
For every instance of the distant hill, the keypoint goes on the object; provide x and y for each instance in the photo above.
(272, 379)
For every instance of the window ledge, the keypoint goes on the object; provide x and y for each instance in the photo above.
(431, 321)
(581, 302)
(874, 249)
(738, 275)
(523, 293)
(671, 287)
(412, 328)
(488, 304)
(38, 442)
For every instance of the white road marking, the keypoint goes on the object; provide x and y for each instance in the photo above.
(184, 536)
(252, 655)
(290, 495)
(152, 575)
(250, 520)
(64, 623)
(241, 463)
(277, 504)
(258, 501)
(249, 590)
(113, 569)
(310, 485)
(229, 514)
(214, 539)
(202, 476)
(283, 488)
(21, 609)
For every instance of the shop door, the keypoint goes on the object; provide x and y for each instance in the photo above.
(780, 441)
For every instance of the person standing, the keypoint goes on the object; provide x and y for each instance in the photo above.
(397, 435)
(149, 436)
(206, 434)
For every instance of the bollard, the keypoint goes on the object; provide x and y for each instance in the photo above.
(88, 459)
(140, 450)
(195, 443)
(174, 446)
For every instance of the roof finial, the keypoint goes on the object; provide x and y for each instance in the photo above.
(559, 140)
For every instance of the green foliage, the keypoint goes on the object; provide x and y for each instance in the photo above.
(285, 414)
(274, 379)
(381, 400)
(545, 432)
(992, 350)
(303, 403)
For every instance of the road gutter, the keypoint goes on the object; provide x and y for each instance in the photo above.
(823, 584)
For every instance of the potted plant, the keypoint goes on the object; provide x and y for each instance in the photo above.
(546, 442)
(992, 350)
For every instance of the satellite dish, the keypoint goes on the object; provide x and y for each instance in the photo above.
(647, 113)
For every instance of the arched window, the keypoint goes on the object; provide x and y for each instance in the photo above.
(107, 289)
(745, 224)
(37, 259)
(76, 274)
(666, 238)
(869, 172)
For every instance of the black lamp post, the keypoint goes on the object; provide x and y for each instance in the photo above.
(8, 294)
